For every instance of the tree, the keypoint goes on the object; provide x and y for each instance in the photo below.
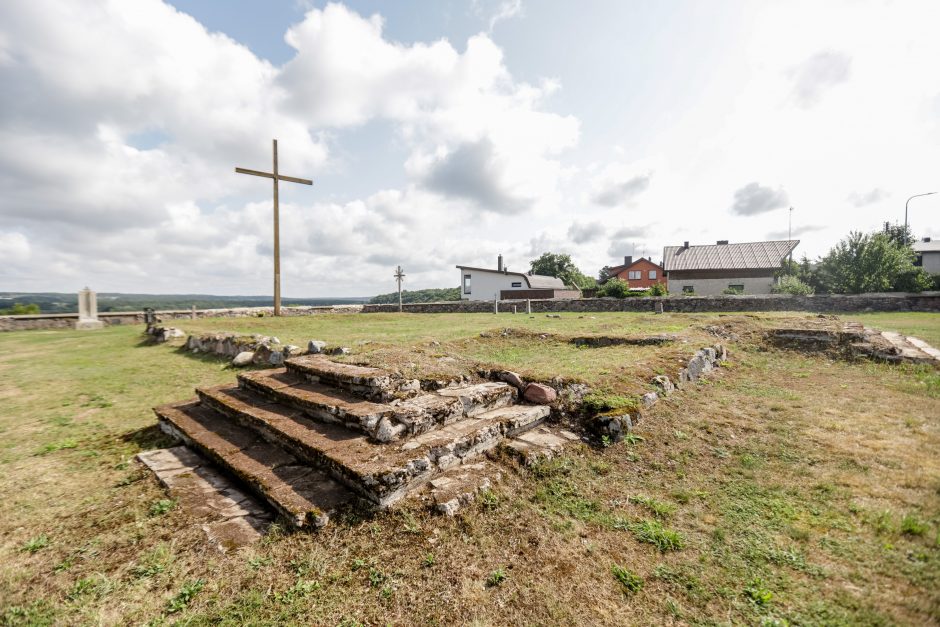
(615, 288)
(433, 295)
(605, 273)
(561, 266)
(20, 309)
(803, 270)
(791, 284)
(899, 234)
(871, 262)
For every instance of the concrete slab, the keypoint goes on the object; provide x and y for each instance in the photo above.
(229, 517)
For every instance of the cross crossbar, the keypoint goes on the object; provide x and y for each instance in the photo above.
(268, 175)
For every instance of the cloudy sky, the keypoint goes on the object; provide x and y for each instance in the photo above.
(447, 132)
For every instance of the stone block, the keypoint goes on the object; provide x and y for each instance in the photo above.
(539, 393)
(243, 359)
(315, 347)
(512, 379)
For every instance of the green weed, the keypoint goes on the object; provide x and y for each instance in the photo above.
(630, 581)
(496, 577)
(35, 544)
(652, 532)
(911, 525)
(659, 509)
(185, 596)
(758, 593)
(161, 507)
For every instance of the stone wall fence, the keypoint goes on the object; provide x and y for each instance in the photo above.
(818, 303)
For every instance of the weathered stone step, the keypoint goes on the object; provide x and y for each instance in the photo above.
(304, 495)
(539, 444)
(372, 383)
(380, 472)
(383, 422)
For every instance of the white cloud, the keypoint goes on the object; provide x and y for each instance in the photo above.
(582, 233)
(499, 11)
(820, 72)
(754, 198)
(618, 185)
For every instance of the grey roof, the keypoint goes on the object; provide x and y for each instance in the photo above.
(750, 255)
(534, 281)
(932, 246)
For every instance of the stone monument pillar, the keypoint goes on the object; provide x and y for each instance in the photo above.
(88, 311)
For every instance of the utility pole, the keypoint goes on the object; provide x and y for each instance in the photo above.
(790, 233)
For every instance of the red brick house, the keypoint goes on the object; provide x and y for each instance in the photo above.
(641, 274)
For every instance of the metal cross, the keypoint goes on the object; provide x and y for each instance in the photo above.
(277, 230)
(399, 275)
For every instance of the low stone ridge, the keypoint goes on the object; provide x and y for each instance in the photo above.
(613, 426)
(308, 447)
(855, 340)
(229, 517)
(602, 341)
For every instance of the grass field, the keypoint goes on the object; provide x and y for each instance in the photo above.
(785, 488)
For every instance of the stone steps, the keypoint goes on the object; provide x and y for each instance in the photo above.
(381, 473)
(316, 434)
(304, 495)
(384, 422)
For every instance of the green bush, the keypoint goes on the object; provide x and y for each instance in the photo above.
(732, 291)
(614, 288)
(789, 284)
(658, 289)
(20, 309)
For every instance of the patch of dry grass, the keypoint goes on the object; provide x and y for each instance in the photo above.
(794, 483)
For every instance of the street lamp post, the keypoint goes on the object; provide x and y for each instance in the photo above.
(905, 207)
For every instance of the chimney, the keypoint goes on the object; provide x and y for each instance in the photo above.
(685, 245)
(926, 240)
(499, 263)
(627, 260)
(722, 242)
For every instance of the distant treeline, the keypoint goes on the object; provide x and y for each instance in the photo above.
(50, 302)
(418, 296)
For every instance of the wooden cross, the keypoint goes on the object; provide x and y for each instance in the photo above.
(399, 275)
(277, 230)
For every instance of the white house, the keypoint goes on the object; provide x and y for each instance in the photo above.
(710, 269)
(928, 255)
(486, 284)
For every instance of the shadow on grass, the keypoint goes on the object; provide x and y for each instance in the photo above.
(149, 438)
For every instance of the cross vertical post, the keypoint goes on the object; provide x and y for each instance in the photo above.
(399, 275)
(276, 177)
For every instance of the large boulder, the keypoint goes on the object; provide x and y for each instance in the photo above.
(539, 393)
(315, 346)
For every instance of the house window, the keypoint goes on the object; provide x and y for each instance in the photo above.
(688, 289)
(634, 274)
(651, 274)
(919, 261)
(517, 284)
(466, 284)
